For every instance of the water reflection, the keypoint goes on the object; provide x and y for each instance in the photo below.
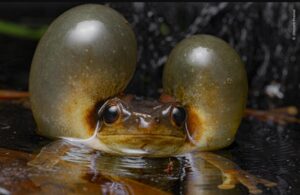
(64, 168)
(203, 178)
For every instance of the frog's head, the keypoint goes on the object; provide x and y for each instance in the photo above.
(132, 125)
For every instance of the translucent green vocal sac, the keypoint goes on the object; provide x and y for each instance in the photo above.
(86, 59)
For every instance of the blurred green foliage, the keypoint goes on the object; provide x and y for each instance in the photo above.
(21, 31)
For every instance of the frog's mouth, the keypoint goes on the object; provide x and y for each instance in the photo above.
(150, 145)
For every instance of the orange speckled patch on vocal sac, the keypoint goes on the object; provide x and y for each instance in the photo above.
(91, 116)
(194, 124)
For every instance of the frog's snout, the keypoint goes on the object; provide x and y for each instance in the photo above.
(146, 122)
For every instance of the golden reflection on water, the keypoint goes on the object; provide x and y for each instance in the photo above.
(62, 168)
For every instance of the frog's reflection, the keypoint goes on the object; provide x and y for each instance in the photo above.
(78, 170)
(203, 178)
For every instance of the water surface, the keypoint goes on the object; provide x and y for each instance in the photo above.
(265, 150)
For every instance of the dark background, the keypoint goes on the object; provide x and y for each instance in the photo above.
(260, 32)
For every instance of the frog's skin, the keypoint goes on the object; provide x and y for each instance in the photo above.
(86, 59)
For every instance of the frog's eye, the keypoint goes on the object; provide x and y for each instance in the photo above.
(111, 114)
(178, 116)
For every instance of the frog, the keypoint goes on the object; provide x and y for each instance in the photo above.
(84, 62)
